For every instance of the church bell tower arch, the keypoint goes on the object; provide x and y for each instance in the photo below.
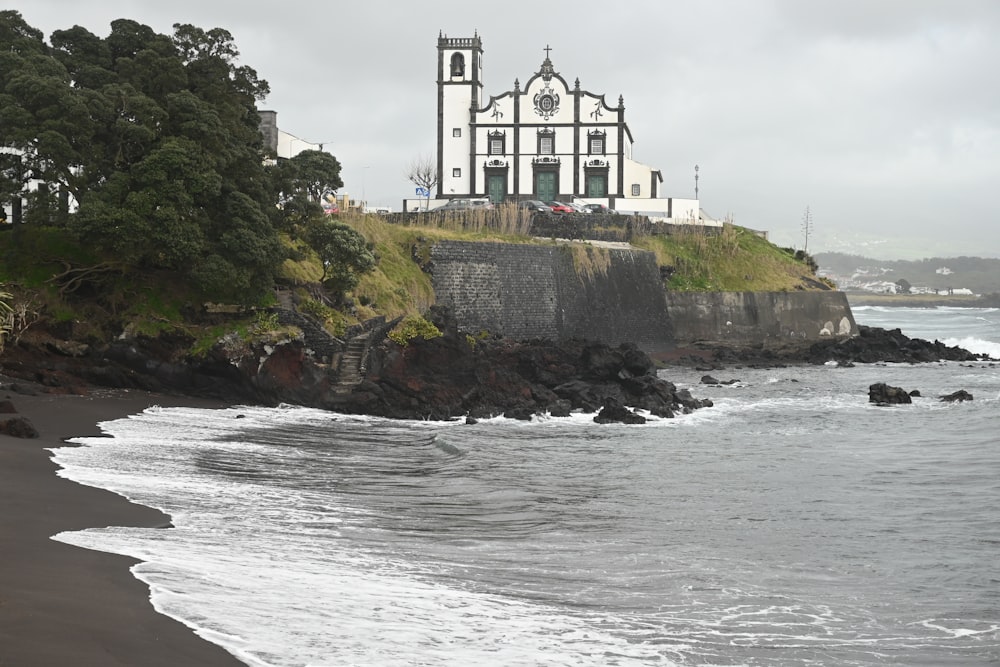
(460, 84)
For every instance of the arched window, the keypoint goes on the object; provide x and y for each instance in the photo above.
(457, 64)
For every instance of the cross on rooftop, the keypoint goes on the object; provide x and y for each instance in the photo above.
(547, 49)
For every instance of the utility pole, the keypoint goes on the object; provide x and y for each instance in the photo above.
(696, 181)
(807, 227)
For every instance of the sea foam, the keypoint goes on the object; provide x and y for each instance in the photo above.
(976, 346)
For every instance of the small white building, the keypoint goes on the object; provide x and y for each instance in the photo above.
(282, 144)
(547, 140)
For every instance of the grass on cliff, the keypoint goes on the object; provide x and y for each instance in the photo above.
(736, 259)
(399, 286)
(31, 256)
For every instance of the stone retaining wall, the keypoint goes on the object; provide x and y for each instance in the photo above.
(616, 295)
(528, 291)
(751, 318)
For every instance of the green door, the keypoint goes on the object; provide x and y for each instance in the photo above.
(497, 187)
(597, 185)
(545, 185)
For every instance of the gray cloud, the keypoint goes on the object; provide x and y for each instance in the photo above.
(882, 117)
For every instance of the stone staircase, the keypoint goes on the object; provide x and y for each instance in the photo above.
(351, 370)
(351, 355)
(324, 345)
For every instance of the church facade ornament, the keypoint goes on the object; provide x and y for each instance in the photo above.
(546, 103)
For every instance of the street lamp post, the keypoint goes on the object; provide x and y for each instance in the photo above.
(364, 174)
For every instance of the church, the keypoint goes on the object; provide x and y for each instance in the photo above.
(547, 140)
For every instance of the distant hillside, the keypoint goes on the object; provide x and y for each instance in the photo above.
(856, 273)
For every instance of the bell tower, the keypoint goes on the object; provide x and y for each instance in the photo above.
(460, 86)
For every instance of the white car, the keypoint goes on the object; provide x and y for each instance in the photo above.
(467, 205)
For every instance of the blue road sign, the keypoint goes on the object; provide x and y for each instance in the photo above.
(423, 192)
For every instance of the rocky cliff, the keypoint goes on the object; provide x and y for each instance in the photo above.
(446, 377)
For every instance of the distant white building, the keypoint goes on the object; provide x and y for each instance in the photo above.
(547, 140)
(281, 143)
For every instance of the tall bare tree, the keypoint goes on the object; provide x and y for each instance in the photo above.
(423, 172)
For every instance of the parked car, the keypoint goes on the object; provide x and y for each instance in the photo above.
(558, 207)
(534, 205)
(577, 208)
(467, 205)
(599, 208)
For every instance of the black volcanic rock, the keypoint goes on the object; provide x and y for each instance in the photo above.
(708, 379)
(882, 394)
(439, 378)
(442, 378)
(874, 345)
(448, 376)
(18, 427)
(614, 412)
(958, 396)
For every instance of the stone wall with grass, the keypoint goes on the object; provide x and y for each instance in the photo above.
(553, 291)
(613, 295)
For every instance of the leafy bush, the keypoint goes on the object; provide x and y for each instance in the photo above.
(473, 341)
(333, 320)
(265, 322)
(411, 327)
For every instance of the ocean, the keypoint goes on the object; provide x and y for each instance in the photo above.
(793, 523)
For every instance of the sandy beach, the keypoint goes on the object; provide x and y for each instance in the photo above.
(60, 604)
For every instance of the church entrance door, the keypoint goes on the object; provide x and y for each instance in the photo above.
(545, 185)
(497, 187)
(597, 185)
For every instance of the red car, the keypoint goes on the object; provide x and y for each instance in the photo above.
(558, 207)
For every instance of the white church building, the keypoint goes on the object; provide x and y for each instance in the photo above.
(548, 140)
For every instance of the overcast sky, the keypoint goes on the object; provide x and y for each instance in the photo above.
(880, 116)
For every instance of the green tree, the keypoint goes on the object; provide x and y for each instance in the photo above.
(156, 138)
(343, 252)
(86, 57)
(300, 182)
(43, 119)
(315, 172)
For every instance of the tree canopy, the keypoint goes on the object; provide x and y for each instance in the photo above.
(300, 183)
(156, 139)
(343, 252)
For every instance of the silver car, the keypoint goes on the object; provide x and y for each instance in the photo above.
(467, 205)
